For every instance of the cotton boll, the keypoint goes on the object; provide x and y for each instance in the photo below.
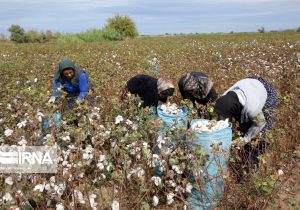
(115, 205)
(7, 198)
(188, 188)
(8, 132)
(59, 206)
(156, 180)
(155, 200)
(39, 187)
(22, 142)
(118, 119)
(9, 181)
(79, 197)
(92, 198)
(170, 198)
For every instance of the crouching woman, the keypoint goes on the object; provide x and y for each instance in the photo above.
(252, 102)
(75, 82)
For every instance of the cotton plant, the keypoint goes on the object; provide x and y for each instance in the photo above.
(116, 153)
(102, 162)
(87, 154)
(175, 163)
(170, 198)
(22, 124)
(6, 198)
(22, 142)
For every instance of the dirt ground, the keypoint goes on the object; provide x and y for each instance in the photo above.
(288, 196)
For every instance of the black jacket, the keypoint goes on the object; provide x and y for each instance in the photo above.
(146, 88)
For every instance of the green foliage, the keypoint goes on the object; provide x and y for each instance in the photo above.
(17, 34)
(298, 29)
(216, 57)
(112, 34)
(91, 35)
(266, 184)
(122, 24)
(295, 203)
(69, 39)
(35, 36)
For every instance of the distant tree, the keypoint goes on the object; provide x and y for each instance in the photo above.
(298, 29)
(123, 25)
(261, 30)
(17, 34)
(34, 36)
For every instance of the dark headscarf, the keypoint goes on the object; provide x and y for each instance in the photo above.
(228, 106)
(196, 82)
(67, 64)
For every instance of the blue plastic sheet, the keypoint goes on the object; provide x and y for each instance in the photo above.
(56, 116)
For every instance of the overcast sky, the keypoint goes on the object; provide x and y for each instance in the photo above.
(152, 16)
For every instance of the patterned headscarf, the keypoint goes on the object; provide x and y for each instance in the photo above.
(164, 83)
(196, 82)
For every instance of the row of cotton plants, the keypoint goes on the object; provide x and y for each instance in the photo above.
(102, 163)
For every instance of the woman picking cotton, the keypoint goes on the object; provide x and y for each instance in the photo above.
(149, 89)
(74, 81)
(197, 87)
(252, 103)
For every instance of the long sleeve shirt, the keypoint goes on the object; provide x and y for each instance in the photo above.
(82, 89)
(253, 96)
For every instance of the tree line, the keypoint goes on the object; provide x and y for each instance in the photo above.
(118, 27)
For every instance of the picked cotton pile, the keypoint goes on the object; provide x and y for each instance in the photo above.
(171, 109)
(209, 125)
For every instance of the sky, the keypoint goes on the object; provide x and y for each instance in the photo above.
(152, 17)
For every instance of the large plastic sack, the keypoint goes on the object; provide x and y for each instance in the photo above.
(170, 120)
(178, 120)
(215, 167)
